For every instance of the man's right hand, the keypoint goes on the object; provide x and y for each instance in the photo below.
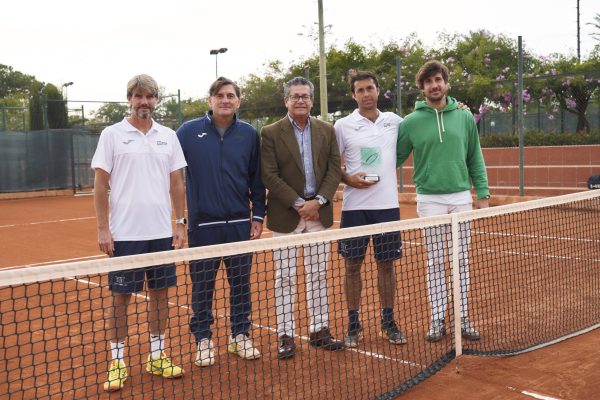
(105, 242)
(358, 181)
(309, 211)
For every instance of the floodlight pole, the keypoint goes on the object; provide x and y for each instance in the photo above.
(578, 36)
(322, 66)
(216, 53)
(66, 87)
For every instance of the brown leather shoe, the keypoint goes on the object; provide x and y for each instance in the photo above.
(287, 347)
(323, 339)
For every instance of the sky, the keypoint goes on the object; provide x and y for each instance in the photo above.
(100, 45)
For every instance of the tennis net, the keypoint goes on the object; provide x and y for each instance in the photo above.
(524, 275)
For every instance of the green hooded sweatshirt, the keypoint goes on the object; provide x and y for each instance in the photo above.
(446, 152)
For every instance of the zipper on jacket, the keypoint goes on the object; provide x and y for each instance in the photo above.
(228, 211)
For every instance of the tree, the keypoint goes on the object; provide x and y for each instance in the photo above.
(481, 65)
(571, 85)
(111, 113)
(596, 35)
(14, 82)
(262, 97)
(412, 55)
(36, 113)
(56, 107)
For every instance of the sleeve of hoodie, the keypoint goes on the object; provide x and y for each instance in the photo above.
(403, 144)
(257, 189)
(475, 161)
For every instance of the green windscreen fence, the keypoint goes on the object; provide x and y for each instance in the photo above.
(46, 160)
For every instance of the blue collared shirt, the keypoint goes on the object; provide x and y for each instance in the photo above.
(303, 137)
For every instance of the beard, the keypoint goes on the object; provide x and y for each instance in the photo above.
(435, 97)
(143, 112)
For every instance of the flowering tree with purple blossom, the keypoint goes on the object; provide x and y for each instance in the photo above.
(482, 70)
(569, 85)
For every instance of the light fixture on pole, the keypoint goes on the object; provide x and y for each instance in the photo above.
(66, 85)
(216, 53)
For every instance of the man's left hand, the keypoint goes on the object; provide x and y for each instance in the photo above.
(483, 203)
(256, 230)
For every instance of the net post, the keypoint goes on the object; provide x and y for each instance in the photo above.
(456, 286)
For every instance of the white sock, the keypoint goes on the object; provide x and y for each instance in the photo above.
(157, 345)
(117, 350)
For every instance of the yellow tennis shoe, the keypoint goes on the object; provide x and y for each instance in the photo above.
(117, 375)
(163, 367)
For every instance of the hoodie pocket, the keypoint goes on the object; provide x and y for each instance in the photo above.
(446, 177)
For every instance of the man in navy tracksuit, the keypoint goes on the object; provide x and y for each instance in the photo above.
(226, 203)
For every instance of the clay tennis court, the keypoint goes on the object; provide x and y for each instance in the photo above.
(55, 229)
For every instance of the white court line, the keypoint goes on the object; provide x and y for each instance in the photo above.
(306, 339)
(568, 239)
(47, 222)
(519, 253)
(538, 396)
(265, 230)
(533, 394)
(57, 261)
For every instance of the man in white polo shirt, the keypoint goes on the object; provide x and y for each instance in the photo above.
(367, 142)
(140, 161)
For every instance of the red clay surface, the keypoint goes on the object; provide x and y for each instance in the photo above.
(63, 228)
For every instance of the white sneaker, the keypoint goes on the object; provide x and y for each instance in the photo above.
(205, 357)
(241, 345)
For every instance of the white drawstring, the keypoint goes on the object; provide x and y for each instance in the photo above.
(438, 124)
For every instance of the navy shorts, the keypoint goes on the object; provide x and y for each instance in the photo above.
(132, 280)
(387, 246)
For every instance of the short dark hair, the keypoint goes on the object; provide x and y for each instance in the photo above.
(361, 76)
(220, 82)
(429, 69)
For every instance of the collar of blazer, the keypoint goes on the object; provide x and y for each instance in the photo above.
(316, 140)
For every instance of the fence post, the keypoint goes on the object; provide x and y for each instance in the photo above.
(179, 115)
(73, 177)
(399, 112)
(44, 110)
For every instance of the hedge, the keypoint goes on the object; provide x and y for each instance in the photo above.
(537, 138)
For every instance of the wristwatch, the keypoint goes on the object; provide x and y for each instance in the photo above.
(180, 221)
(322, 201)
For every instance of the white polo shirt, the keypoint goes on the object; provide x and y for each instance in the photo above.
(370, 147)
(140, 167)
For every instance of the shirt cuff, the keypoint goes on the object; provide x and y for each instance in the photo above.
(299, 201)
(321, 199)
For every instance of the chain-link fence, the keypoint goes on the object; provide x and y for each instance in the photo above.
(52, 159)
(13, 118)
(552, 104)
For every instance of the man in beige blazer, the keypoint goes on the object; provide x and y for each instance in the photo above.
(301, 171)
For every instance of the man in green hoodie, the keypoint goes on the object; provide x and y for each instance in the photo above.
(447, 162)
